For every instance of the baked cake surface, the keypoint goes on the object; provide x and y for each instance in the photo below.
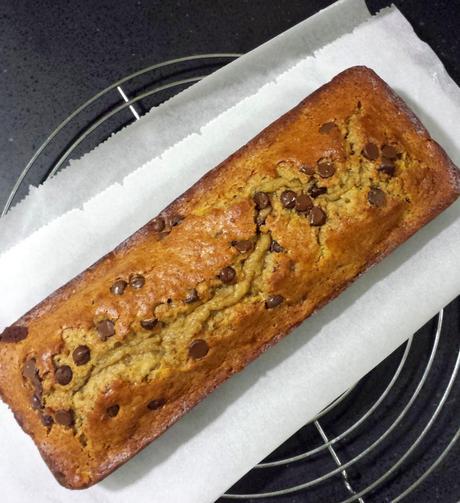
(109, 361)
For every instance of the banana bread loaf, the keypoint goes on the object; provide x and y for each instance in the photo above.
(109, 361)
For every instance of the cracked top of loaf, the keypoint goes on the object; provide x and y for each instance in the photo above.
(109, 361)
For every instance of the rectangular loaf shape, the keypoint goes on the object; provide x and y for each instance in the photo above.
(112, 359)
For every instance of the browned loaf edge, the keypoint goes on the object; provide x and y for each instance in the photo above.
(221, 275)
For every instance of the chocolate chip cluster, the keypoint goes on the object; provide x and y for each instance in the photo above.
(300, 202)
(387, 155)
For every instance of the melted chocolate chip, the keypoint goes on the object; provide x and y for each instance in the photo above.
(387, 167)
(156, 404)
(371, 151)
(105, 329)
(326, 169)
(47, 420)
(303, 203)
(36, 402)
(63, 375)
(113, 410)
(262, 200)
(317, 216)
(327, 127)
(192, 296)
(30, 372)
(376, 197)
(276, 247)
(149, 324)
(308, 170)
(243, 246)
(316, 191)
(389, 152)
(64, 417)
(273, 301)
(227, 275)
(288, 198)
(158, 224)
(118, 287)
(14, 334)
(81, 355)
(198, 349)
(137, 281)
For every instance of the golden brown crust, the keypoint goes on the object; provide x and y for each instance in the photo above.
(140, 380)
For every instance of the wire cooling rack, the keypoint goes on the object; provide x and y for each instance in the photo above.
(346, 453)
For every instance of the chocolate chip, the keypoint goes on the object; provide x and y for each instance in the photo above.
(303, 203)
(192, 296)
(47, 420)
(262, 200)
(389, 152)
(198, 349)
(260, 219)
(317, 216)
(227, 275)
(316, 191)
(105, 329)
(36, 402)
(325, 169)
(288, 198)
(63, 375)
(376, 197)
(387, 167)
(273, 301)
(149, 324)
(327, 127)
(81, 355)
(118, 287)
(30, 372)
(112, 411)
(156, 404)
(276, 247)
(371, 151)
(14, 334)
(38, 385)
(243, 246)
(64, 417)
(137, 281)
(308, 170)
(158, 224)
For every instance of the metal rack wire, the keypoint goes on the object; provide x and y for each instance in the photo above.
(330, 443)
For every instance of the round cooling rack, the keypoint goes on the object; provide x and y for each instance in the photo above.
(370, 444)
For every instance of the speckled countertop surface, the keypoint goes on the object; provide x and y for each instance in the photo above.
(56, 55)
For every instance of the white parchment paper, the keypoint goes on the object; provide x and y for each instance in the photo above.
(245, 419)
(174, 120)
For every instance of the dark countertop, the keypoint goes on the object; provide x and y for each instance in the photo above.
(56, 55)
